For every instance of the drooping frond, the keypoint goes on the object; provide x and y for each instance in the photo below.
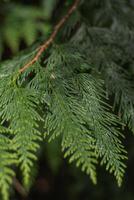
(103, 123)
(73, 88)
(78, 110)
(119, 84)
(18, 108)
(21, 23)
(77, 139)
(110, 56)
(7, 159)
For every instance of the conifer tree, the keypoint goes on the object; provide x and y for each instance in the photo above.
(74, 81)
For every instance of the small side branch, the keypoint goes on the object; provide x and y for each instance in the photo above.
(19, 188)
(49, 41)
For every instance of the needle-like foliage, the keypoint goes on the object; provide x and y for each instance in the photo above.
(80, 89)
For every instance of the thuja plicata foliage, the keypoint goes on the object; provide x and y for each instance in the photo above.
(77, 84)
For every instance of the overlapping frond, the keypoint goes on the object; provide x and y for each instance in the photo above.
(119, 83)
(7, 159)
(62, 93)
(21, 23)
(82, 101)
(77, 140)
(110, 53)
(104, 125)
(18, 110)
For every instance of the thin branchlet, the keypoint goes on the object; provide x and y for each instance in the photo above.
(49, 41)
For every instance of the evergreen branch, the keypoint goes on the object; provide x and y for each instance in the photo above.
(119, 83)
(66, 118)
(69, 99)
(47, 43)
(7, 159)
(108, 144)
(18, 109)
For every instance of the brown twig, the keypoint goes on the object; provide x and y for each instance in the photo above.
(49, 41)
(19, 188)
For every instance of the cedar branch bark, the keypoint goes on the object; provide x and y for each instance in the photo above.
(19, 188)
(50, 40)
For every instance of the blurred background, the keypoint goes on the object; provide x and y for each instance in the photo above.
(24, 22)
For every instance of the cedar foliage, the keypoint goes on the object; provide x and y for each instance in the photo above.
(81, 88)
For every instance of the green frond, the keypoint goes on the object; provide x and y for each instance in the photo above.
(109, 52)
(84, 104)
(7, 159)
(119, 83)
(21, 23)
(77, 141)
(108, 145)
(80, 89)
(18, 108)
